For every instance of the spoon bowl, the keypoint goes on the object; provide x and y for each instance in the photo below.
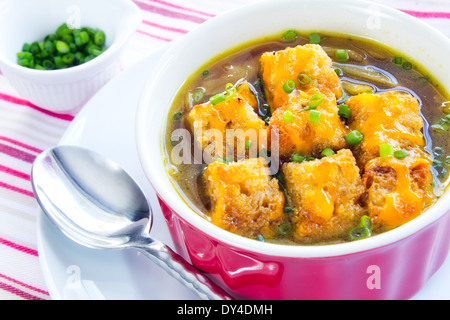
(97, 204)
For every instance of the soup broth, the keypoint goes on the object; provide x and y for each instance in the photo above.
(383, 70)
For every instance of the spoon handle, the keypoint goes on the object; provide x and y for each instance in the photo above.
(181, 270)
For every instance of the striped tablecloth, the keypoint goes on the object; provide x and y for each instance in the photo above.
(26, 130)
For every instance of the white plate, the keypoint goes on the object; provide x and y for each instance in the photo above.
(106, 125)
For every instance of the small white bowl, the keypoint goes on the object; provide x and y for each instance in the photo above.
(64, 90)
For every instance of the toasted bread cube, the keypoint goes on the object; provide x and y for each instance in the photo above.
(387, 118)
(281, 66)
(209, 124)
(244, 198)
(397, 189)
(303, 136)
(325, 195)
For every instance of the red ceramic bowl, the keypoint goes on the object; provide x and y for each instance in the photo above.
(392, 265)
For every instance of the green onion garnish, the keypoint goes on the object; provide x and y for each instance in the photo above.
(289, 86)
(344, 111)
(303, 79)
(205, 73)
(230, 91)
(248, 144)
(99, 38)
(386, 150)
(407, 65)
(288, 210)
(354, 137)
(287, 116)
(314, 116)
(289, 36)
(198, 96)
(400, 154)
(363, 230)
(63, 49)
(366, 222)
(359, 233)
(217, 98)
(327, 152)
(443, 124)
(397, 60)
(285, 228)
(298, 157)
(177, 116)
(342, 55)
(314, 38)
(314, 101)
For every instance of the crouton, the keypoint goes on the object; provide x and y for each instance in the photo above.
(303, 136)
(397, 189)
(387, 118)
(245, 200)
(281, 66)
(325, 196)
(209, 124)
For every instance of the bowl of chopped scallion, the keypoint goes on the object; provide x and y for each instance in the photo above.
(60, 57)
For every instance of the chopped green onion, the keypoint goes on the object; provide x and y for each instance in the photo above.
(289, 36)
(63, 49)
(248, 144)
(230, 90)
(342, 55)
(407, 65)
(438, 151)
(287, 116)
(298, 157)
(285, 228)
(315, 100)
(314, 116)
(302, 77)
(443, 124)
(344, 111)
(226, 159)
(338, 71)
(205, 73)
(68, 58)
(289, 86)
(177, 116)
(198, 95)
(288, 210)
(354, 137)
(217, 98)
(359, 233)
(99, 38)
(400, 154)
(397, 60)
(327, 152)
(423, 80)
(386, 150)
(366, 222)
(363, 230)
(314, 38)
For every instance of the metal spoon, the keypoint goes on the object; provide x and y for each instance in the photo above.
(97, 204)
